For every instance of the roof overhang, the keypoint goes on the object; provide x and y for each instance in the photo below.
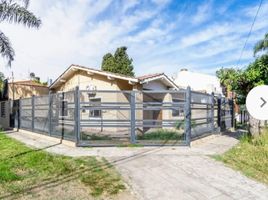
(74, 68)
(163, 78)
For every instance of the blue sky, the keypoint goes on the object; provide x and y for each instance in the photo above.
(161, 35)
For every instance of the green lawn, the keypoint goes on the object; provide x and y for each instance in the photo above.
(161, 134)
(250, 156)
(24, 170)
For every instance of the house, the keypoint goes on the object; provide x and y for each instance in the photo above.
(25, 89)
(12, 92)
(87, 78)
(198, 82)
(112, 91)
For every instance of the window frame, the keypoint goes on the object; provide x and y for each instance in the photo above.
(99, 116)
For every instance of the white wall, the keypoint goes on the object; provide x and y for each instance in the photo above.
(198, 81)
(154, 85)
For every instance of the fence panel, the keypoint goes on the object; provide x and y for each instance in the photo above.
(26, 113)
(41, 114)
(203, 114)
(105, 117)
(63, 115)
(226, 118)
(160, 117)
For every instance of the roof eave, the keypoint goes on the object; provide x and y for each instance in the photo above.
(162, 76)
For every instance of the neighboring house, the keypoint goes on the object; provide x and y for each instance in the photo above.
(90, 80)
(14, 91)
(25, 89)
(198, 82)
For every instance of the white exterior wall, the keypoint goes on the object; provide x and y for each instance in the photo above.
(154, 85)
(198, 81)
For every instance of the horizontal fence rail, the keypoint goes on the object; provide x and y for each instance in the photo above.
(110, 118)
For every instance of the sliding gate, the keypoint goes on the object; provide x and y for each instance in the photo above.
(131, 117)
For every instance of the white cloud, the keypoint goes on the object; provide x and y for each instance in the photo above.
(204, 12)
(80, 32)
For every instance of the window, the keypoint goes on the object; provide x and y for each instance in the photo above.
(3, 109)
(96, 102)
(177, 110)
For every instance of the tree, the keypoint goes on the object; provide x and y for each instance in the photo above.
(262, 45)
(14, 11)
(2, 78)
(108, 62)
(118, 63)
(242, 81)
(228, 77)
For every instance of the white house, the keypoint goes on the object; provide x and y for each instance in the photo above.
(198, 81)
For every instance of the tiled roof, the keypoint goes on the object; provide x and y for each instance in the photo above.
(27, 83)
(149, 76)
(101, 71)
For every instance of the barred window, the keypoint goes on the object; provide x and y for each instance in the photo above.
(96, 102)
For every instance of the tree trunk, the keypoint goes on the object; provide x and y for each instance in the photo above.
(256, 127)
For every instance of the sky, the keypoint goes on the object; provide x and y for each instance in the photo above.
(161, 35)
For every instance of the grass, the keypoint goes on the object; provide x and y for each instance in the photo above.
(23, 168)
(242, 126)
(161, 134)
(95, 137)
(250, 156)
(130, 145)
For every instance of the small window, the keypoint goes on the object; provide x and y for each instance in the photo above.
(96, 102)
(3, 109)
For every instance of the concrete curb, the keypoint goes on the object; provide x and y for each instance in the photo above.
(47, 137)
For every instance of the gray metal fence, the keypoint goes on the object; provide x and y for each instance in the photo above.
(109, 118)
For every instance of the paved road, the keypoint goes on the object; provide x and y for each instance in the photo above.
(170, 173)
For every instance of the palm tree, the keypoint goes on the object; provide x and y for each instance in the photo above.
(14, 11)
(262, 45)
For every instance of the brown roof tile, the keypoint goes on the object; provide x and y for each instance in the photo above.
(149, 76)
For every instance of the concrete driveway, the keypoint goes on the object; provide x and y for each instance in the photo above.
(169, 172)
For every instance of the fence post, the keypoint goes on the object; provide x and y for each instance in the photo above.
(33, 108)
(132, 117)
(212, 113)
(233, 113)
(219, 113)
(188, 116)
(50, 113)
(77, 114)
(19, 113)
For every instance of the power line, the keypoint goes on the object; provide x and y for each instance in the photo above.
(249, 33)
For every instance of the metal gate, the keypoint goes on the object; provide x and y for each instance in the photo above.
(116, 117)
(131, 117)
